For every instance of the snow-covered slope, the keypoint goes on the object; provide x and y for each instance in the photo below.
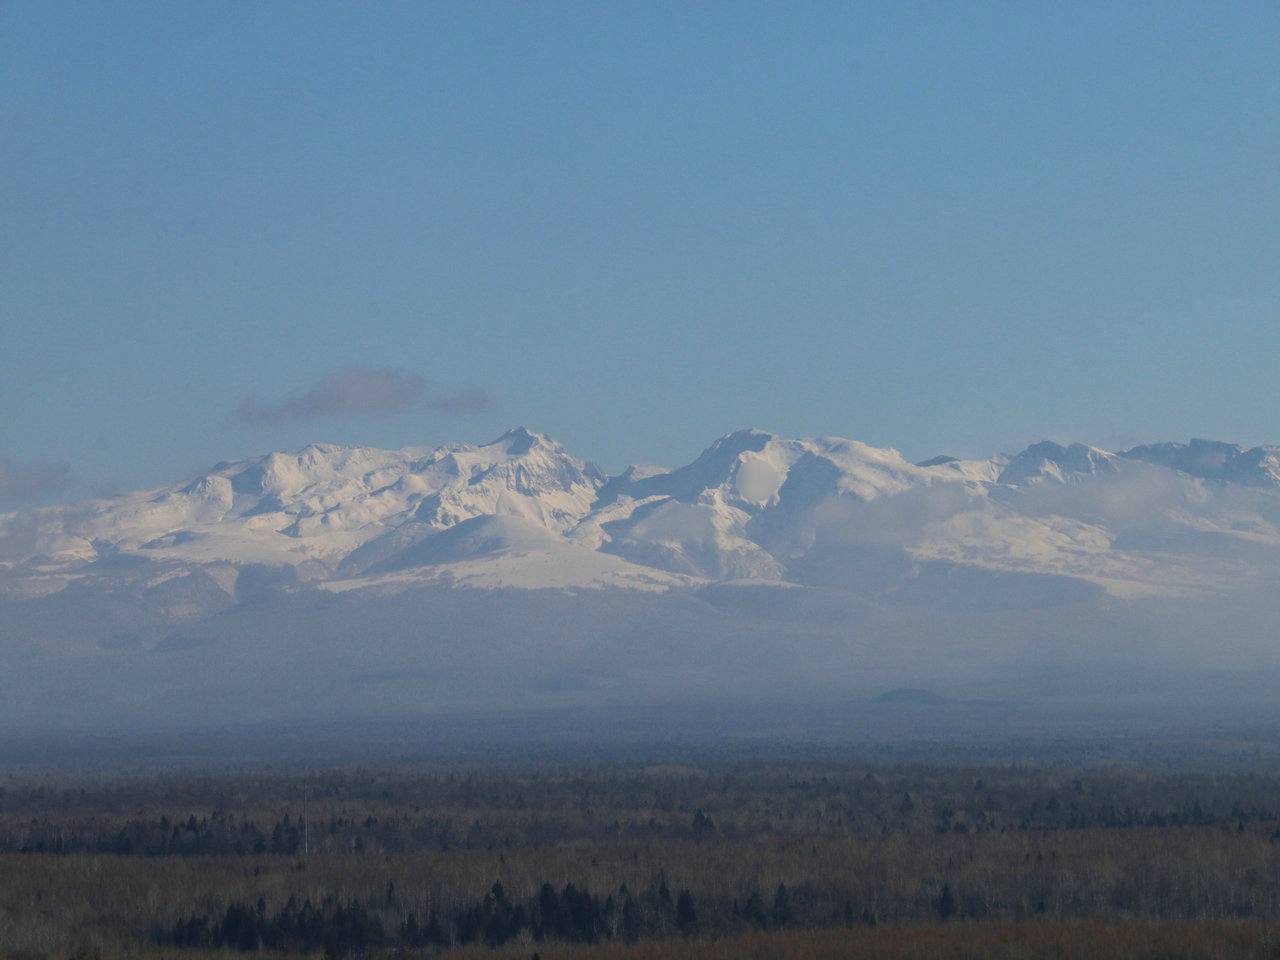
(504, 551)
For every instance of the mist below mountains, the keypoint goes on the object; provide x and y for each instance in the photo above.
(337, 583)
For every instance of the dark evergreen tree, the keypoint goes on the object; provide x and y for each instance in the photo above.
(686, 915)
(946, 903)
(781, 906)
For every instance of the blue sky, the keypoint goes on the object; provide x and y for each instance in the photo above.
(943, 227)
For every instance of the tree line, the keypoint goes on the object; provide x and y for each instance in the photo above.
(570, 914)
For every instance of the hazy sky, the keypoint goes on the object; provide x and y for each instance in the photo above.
(948, 227)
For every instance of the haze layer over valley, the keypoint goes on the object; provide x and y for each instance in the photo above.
(351, 581)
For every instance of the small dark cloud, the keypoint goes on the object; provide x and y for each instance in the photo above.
(363, 392)
(465, 400)
(20, 482)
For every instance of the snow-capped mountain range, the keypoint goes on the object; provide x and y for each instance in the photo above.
(349, 580)
(521, 511)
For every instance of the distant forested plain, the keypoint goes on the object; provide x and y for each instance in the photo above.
(720, 860)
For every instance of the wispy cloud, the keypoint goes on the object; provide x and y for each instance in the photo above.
(27, 481)
(363, 392)
(464, 400)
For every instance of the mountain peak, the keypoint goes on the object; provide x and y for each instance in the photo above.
(1214, 460)
(1052, 461)
(747, 433)
(519, 440)
(739, 441)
